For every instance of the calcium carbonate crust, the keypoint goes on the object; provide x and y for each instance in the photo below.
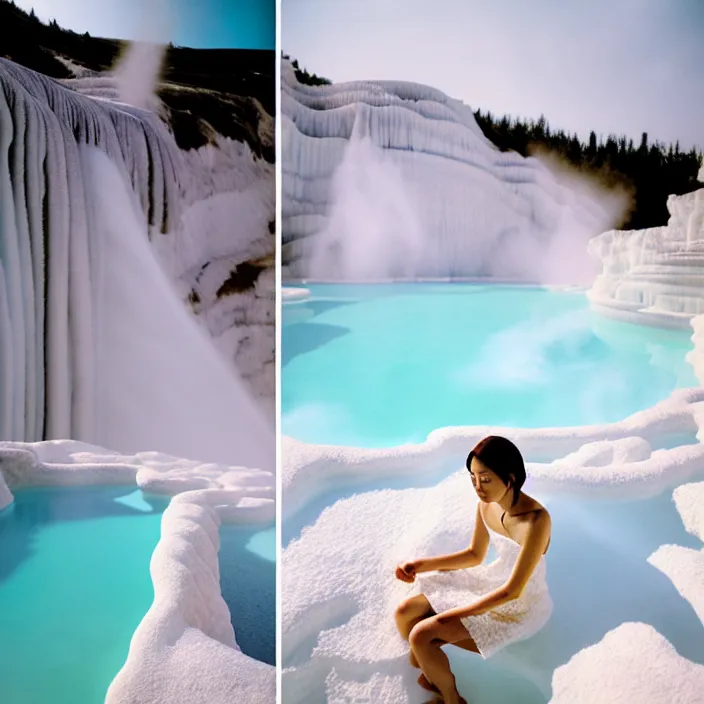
(596, 673)
(654, 276)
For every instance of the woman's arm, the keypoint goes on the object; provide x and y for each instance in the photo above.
(469, 557)
(532, 550)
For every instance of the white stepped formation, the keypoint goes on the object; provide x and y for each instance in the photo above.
(185, 649)
(654, 276)
(396, 180)
(95, 344)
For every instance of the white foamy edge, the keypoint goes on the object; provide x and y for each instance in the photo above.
(188, 606)
(184, 649)
(294, 295)
(611, 460)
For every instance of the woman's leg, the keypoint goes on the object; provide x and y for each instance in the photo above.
(467, 644)
(426, 640)
(410, 612)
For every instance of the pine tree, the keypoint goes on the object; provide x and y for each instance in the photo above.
(592, 143)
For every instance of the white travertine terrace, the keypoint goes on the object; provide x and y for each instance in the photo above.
(46, 246)
(392, 179)
(222, 183)
(292, 295)
(597, 673)
(104, 221)
(184, 650)
(654, 276)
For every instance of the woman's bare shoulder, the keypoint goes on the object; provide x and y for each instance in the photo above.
(532, 511)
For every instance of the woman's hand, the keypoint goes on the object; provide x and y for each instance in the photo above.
(406, 571)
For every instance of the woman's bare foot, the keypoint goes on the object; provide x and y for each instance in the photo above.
(413, 659)
(425, 683)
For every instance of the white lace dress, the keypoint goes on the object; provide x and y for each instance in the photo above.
(491, 631)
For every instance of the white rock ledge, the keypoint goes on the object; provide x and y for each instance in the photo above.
(632, 663)
(602, 672)
(184, 650)
(616, 460)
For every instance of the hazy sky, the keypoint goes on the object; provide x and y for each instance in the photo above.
(622, 66)
(239, 24)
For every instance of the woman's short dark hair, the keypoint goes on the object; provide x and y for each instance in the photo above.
(503, 458)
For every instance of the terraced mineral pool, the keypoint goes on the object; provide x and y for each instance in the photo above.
(384, 365)
(379, 366)
(74, 585)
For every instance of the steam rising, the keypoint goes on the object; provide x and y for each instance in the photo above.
(138, 69)
(417, 191)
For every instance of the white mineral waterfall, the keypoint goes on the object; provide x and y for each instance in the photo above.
(95, 344)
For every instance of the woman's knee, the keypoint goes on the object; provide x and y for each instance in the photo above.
(422, 633)
(410, 608)
(404, 609)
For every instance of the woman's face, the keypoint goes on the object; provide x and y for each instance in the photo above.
(489, 486)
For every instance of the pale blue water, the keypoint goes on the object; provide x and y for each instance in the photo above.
(75, 584)
(248, 585)
(378, 366)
